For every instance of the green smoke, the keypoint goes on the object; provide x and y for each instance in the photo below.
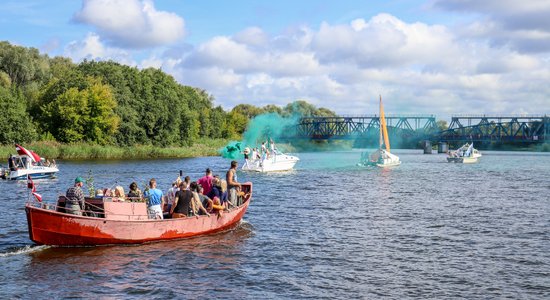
(262, 128)
(232, 150)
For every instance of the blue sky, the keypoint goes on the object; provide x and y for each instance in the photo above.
(434, 56)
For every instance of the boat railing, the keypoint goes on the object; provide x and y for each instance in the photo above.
(97, 211)
(93, 210)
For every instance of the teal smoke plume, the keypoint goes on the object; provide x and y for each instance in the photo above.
(260, 129)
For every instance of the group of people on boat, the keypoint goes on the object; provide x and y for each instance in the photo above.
(185, 198)
(23, 162)
(266, 151)
(464, 151)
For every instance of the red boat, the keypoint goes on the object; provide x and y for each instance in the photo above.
(122, 223)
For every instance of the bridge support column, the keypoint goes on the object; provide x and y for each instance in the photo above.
(442, 147)
(427, 147)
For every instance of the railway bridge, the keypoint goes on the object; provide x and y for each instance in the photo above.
(412, 129)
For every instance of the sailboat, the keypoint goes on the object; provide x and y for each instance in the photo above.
(381, 157)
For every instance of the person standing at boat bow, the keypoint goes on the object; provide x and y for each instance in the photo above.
(154, 200)
(232, 183)
(75, 198)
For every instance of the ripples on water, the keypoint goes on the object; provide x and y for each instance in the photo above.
(426, 229)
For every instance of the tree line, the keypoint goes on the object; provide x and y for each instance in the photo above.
(107, 103)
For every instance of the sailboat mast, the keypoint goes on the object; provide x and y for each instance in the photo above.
(380, 115)
(383, 128)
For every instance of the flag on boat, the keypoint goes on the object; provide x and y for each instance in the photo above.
(470, 149)
(30, 183)
(22, 151)
(37, 196)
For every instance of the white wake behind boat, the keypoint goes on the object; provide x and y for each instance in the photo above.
(466, 154)
(277, 162)
(382, 157)
(27, 163)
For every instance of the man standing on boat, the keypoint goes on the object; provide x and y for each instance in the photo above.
(232, 184)
(206, 181)
(75, 198)
(154, 202)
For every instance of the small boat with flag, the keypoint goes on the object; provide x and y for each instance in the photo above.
(27, 163)
(466, 154)
(110, 220)
(381, 157)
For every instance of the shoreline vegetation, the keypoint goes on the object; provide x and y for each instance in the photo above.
(86, 151)
(201, 148)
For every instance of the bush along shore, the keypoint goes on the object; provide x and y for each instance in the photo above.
(55, 150)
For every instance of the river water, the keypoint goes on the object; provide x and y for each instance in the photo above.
(329, 229)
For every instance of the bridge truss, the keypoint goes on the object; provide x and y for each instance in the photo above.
(482, 128)
(360, 127)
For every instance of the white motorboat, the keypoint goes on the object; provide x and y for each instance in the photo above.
(277, 162)
(27, 163)
(381, 157)
(466, 154)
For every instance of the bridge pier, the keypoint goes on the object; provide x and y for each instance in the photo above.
(427, 147)
(442, 147)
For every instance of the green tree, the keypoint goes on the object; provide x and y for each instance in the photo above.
(15, 124)
(23, 65)
(219, 123)
(248, 110)
(441, 125)
(236, 124)
(271, 108)
(303, 108)
(5, 80)
(82, 114)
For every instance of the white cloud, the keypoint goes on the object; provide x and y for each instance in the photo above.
(417, 67)
(131, 23)
(91, 48)
(523, 25)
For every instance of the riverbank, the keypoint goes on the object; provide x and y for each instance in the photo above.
(55, 150)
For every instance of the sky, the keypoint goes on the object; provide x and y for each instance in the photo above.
(442, 57)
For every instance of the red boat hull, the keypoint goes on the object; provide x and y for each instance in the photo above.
(48, 227)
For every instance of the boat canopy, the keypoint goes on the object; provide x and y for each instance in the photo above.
(23, 151)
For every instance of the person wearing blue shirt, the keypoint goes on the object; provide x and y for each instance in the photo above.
(154, 197)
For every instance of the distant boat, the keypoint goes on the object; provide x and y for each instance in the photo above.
(466, 154)
(381, 157)
(27, 163)
(275, 162)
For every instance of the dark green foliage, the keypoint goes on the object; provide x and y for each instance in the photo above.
(15, 123)
(23, 65)
(109, 103)
(84, 112)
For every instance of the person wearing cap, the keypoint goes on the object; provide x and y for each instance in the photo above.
(206, 181)
(74, 203)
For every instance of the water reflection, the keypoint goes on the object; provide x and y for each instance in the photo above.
(425, 229)
(133, 269)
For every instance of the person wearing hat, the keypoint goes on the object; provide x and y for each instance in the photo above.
(206, 181)
(74, 203)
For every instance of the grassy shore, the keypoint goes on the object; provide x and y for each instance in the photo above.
(203, 147)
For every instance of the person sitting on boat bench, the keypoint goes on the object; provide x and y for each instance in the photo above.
(74, 203)
(154, 195)
(134, 192)
(196, 205)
